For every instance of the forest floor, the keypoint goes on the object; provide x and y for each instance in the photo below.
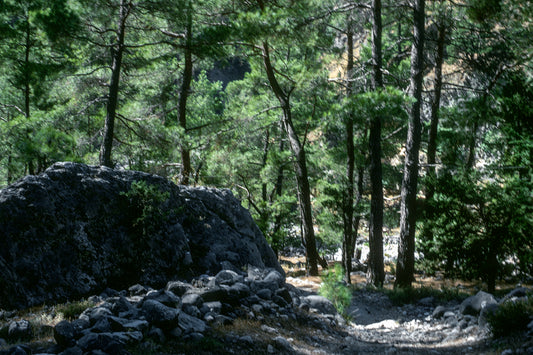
(374, 324)
(378, 326)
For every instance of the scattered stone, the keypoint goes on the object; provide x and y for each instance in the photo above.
(160, 315)
(322, 304)
(64, 334)
(474, 304)
(19, 330)
(178, 288)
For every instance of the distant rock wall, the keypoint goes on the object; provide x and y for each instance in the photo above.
(71, 232)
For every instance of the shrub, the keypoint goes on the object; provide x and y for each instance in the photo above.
(335, 289)
(145, 205)
(511, 317)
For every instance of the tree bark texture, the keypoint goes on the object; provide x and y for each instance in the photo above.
(112, 100)
(376, 270)
(350, 167)
(186, 169)
(406, 248)
(300, 165)
(435, 106)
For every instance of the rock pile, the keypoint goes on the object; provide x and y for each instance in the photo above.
(74, 231)
(181, 310)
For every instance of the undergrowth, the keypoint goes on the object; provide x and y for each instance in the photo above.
(511, 317)
(72, 310)
(401, 296)
(335, 289)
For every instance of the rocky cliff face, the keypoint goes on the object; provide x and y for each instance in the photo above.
(76, 229)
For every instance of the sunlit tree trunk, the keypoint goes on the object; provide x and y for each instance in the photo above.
(405, 267)
(376, 270)
(300, 165)
(112, 100)
(435, 107)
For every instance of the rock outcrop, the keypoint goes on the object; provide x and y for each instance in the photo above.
(76, 229)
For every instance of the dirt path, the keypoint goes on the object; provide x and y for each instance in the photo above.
(379, 327)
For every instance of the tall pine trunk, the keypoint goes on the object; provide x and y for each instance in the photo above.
(300, 165)
(376, 270)
(112, 101)
(186, 169)
(405, 267)
(435, 107)
(350, 166)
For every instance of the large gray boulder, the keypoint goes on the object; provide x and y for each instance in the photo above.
(72, 231)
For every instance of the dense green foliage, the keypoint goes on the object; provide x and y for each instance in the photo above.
(336, 290)
(54, 90)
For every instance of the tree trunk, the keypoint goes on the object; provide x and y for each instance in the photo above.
(300, 165)
(278, 193)
(406, 249)
(112, 101)
(435, 106)
(376, 270)
(186, 170)
(350, 165)
(358, 198)
(27, 66)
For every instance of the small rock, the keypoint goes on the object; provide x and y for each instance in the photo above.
(282, 343)
(97, 313)
(474, 304)
(247, 339)
(227, 277)
(268, 329)
(64, 334)
(192, 299)
(191, 324)
(448, 314)
(160, 315)
(192, 310)
(385, 324)
(121, 324)
(178, 288)
(427, 301)
(264, 293)
(137, 290)
(322, 304)
(213, 307)
(19, 330)
(168, 298)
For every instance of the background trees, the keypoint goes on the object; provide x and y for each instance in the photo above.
(290, 105)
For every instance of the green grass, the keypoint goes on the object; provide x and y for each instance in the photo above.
(72, 310)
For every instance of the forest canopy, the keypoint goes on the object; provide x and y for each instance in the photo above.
(331, 120)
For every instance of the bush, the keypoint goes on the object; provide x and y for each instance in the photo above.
(335, 289)
(511, 317)
(145, 205)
